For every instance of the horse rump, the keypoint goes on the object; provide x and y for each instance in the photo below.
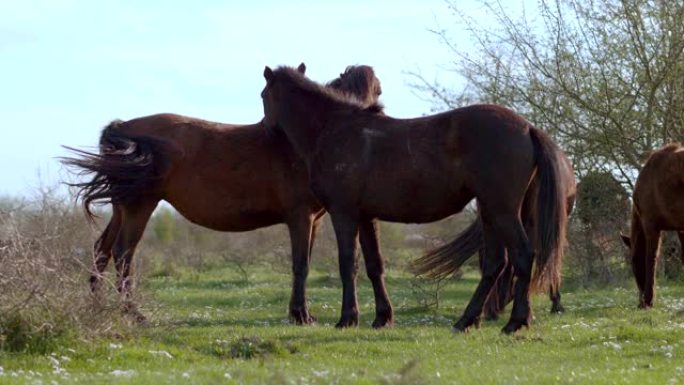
(551, 219)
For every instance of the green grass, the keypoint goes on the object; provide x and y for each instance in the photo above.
(213, 327)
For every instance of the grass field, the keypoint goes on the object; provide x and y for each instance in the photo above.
(215, 327)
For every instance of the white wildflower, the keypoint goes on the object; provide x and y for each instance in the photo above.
(614, 345)
(123, 373)
(162, 353)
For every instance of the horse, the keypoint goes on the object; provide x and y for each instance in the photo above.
(657, 206)
(224, 177)
(447, 259)
(364, 166)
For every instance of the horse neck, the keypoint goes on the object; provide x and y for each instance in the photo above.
(304, 124)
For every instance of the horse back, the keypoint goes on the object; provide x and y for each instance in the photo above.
(659, 188)
(423, 169)
(224, 176)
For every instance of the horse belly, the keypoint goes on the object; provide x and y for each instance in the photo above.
(226, 205)
(237, 215)
(414, 202)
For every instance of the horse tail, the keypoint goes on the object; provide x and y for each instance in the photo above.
(126, 169)
(551, 212)
(447, 259)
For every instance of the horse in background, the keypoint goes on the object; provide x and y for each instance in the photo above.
(225, 177)
(657, 205)
(365, 166)
(446, 260)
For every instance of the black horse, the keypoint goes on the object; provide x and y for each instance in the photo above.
(365, 166)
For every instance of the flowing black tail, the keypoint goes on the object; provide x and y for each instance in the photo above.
(551, 219)
(126, 169)
(447, 259)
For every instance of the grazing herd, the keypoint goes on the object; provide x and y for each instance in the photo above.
(330, 148)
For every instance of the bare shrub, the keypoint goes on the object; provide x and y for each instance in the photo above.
(44, 260)
(596, 253)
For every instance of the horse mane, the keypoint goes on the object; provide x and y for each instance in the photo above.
(340, 97)
(358, 80)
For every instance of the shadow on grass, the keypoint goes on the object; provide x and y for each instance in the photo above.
(404, 317)
(197, 284)
(228, 302)
(194, 322)
(296, 339)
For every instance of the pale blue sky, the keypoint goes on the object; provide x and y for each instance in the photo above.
(68, 67)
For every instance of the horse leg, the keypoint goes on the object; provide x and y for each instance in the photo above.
(521, 257)
(103, 248)
(500, 295)
(637, 245)
(505, 284)
(134, 219)
(347, 232)
(315, 225)
(493, 263)
(650, 261)
(300, 228)
(490, 306)
(368, 234)
(555, 297)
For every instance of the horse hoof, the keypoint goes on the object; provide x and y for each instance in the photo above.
(135, 314)
(463, 324)
(140, 319)
(301, 317)
(94, 284)
(382, 322)
(383, 318)
(347, 322)
(477, 322)
(557, 309)
(513, 326)
(491, 317)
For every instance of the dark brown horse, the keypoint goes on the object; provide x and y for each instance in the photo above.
(445, 260)
(658, 205)
(365, 166)
(221, 176)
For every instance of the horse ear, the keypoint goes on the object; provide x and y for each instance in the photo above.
(268, 73)
(626, 240)
(301, 68)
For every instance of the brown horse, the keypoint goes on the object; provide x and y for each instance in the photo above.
(657, 206)
(365, 166)
(221, 176)
(445, 260)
